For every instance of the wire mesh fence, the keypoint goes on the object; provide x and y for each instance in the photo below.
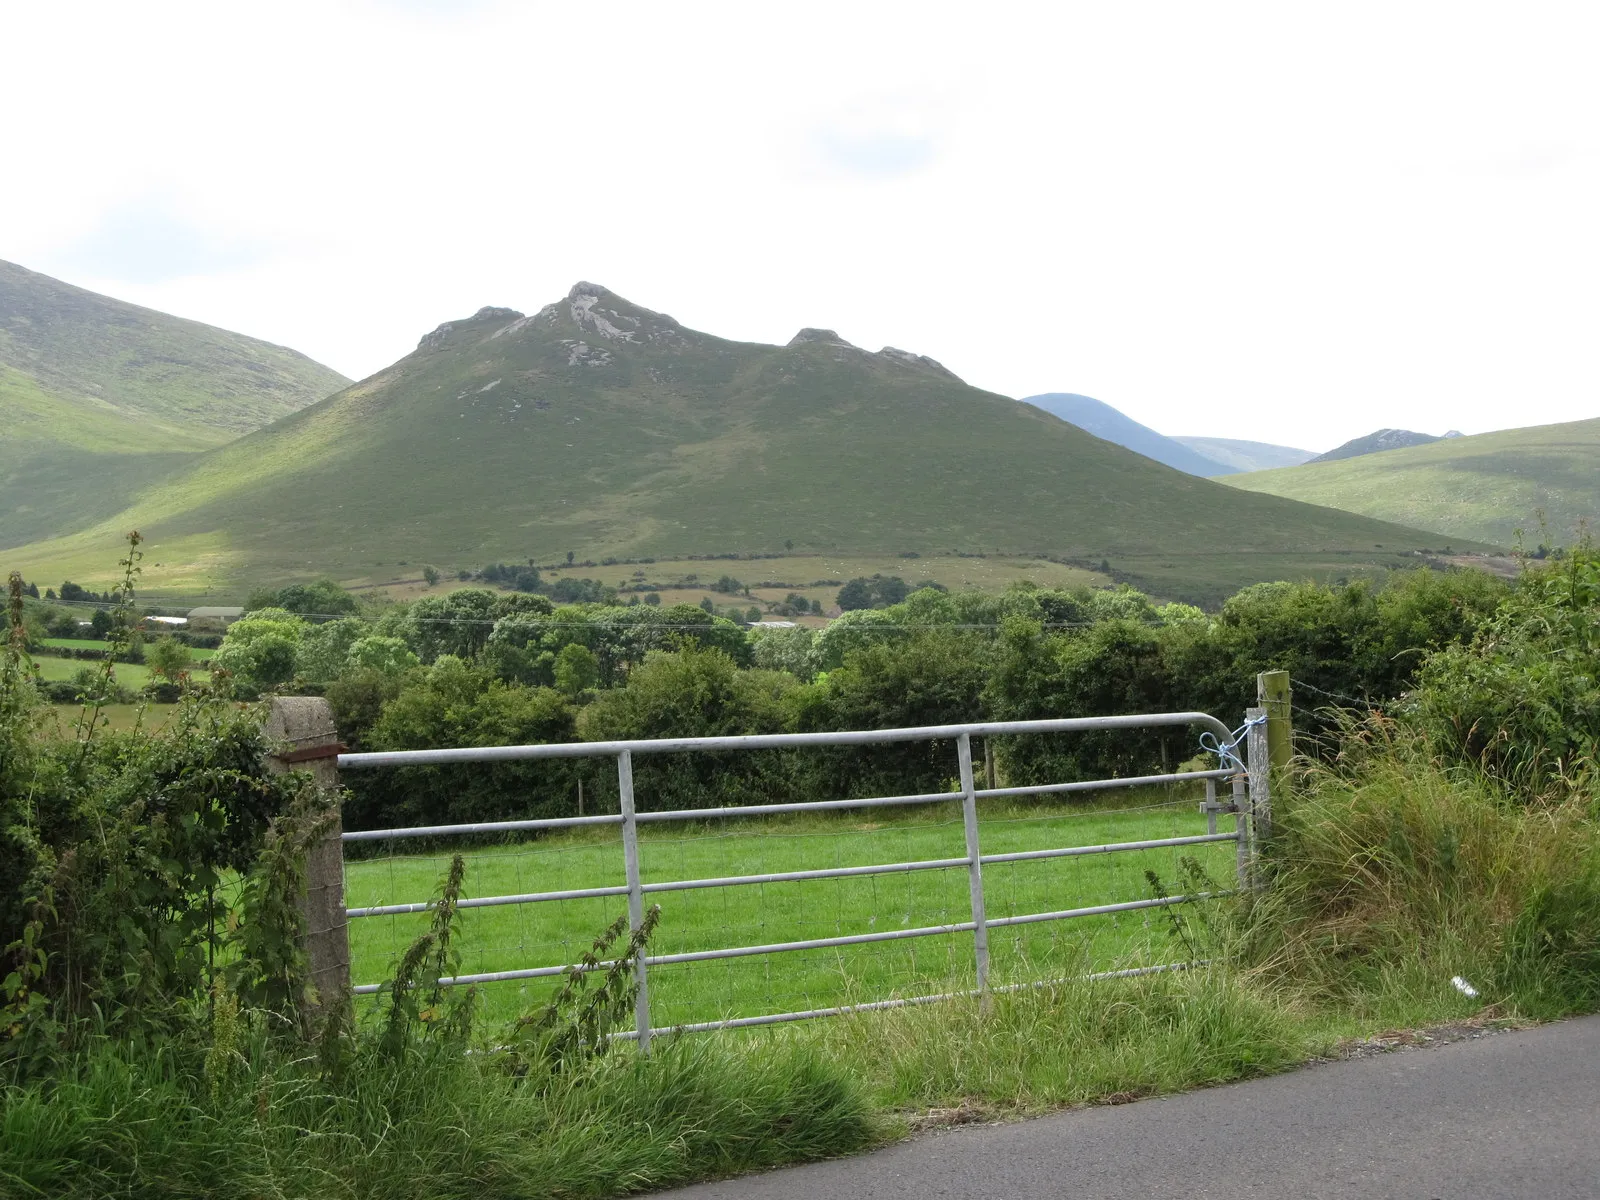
(883, 908)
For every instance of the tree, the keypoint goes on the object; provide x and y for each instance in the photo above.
(168, 658)
(653, 599)
(577, 670)
(324, 650)
(788, 543)
(430, 575)
(388, 655)
(705, 603)
(752, 614)
(570, 557)
(259, 650)
(855, 595)
(323, 598)
(880, 591)
(100, 623)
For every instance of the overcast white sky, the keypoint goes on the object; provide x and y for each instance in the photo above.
(1288, 222)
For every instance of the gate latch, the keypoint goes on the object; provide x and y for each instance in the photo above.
(1210, 806)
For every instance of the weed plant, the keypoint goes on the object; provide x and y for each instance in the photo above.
(1395, 868)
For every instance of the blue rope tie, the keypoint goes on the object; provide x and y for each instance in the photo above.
(1226, 751)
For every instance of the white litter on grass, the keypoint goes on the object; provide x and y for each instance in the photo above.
(1465, 988)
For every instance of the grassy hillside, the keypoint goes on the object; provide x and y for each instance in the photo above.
(1483, 487)
(99, 398)
(603, 428)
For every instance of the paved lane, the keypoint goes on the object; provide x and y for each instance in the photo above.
(1514, 1115)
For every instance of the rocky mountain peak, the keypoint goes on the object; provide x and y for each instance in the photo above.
(916, 360)
(826, 336)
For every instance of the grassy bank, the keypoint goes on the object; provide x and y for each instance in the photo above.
(429, 1126)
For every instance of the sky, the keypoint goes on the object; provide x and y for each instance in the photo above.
(1288, 223)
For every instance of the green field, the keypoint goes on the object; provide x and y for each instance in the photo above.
(553, 933)
(129, 675)
(119, 718)
(1484, 487)
(198, 653)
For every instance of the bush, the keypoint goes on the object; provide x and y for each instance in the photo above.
(113, 852)
(455, 704)
(1523, 699)
(932, 677)
(1113, 667)
(696, 692)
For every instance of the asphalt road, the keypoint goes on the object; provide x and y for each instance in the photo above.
(1509, 1115)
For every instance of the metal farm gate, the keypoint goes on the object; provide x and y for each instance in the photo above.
(1242, 765)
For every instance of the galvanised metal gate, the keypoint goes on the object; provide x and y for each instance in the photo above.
(1245, 773)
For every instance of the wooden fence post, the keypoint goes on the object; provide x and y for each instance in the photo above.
(306, 723)
(1272, 694)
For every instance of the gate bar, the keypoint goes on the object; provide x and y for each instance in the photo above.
(684, 885)
(969, 819)
(855, 939)
(775, 741)
(630, 856)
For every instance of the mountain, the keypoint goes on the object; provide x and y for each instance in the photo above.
(98, 397)
(1484, 487)
(1100, 419)
(1376, 443)
(600, 427)
(1246, 456)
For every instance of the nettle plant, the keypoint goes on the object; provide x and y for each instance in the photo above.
(140, 871)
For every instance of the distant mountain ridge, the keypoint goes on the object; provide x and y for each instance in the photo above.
(1246, 456)
(1485, 487)
(602, 427)
(1379, 441)
(1106, 422)
(98, 396)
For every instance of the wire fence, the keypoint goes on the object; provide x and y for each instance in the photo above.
(776, 912)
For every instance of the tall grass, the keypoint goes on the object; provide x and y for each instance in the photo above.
(1078, 1041)
(142, 1121)
(1393, 871)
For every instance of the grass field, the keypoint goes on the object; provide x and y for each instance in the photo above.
(688, 580)
(552, 933)
(129, 675)
(199, 654)
(118, 717)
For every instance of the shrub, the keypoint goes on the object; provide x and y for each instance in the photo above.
(696, 692)
(1523, 699)
(930, 677)
(455, 704)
